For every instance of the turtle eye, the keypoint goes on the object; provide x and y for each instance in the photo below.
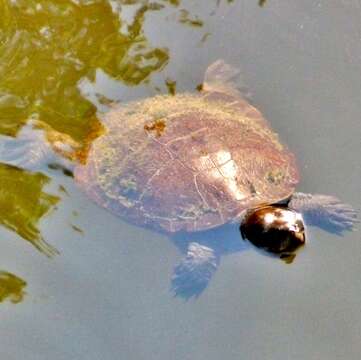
(275, 229)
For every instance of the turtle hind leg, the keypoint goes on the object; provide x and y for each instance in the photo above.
(192, 275)
(220, 72)
(221, 77)
(325, 211)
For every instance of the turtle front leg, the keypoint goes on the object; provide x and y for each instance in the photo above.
(324, 211)
(192, 275)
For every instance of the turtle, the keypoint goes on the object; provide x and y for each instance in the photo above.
(193, 165)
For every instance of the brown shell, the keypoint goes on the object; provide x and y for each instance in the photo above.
(187, 162)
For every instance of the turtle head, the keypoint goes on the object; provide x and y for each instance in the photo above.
(275, 229)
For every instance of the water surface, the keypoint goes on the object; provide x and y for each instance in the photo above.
(87, 285)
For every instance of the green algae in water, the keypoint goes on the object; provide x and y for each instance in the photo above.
(173, 2)
(185, 18)
(171, 86)
(11, 287)
(23, 203)
(47, 47)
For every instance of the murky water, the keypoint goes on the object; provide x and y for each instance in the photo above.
(81, 283)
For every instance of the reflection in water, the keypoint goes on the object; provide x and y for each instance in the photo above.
(11, 287)
(48, 47)
(23, 203)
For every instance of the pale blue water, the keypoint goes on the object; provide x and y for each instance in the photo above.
(107, 295)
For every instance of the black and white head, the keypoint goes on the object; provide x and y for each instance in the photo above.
(275, 229)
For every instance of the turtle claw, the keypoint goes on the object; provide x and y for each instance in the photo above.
(325, 211)
(192, 275)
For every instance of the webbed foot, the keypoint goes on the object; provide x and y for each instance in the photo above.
(227, 79)
(221, 72)
(324, 211)
(195, 270)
